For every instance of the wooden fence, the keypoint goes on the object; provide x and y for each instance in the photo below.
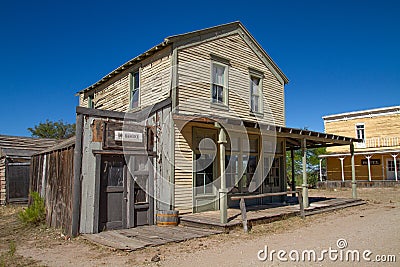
(52, 174)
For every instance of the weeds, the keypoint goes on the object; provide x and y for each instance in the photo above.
(35, 214)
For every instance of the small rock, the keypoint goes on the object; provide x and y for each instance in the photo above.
(201, 244)
(156, 258)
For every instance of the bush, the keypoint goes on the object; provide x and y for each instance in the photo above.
(35, 214)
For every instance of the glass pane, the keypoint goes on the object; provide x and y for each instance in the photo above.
(136, 80)
(204, 173)
(214, 93)
(219, 73)
(253, 145)
(115, 175)
(135, 99)
(141, 186)
(232, 170)
(220, 94)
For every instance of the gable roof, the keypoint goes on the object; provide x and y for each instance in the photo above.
(217, 30)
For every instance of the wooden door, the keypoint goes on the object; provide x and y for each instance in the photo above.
(113, 200)
(140, 184)
(18, 181)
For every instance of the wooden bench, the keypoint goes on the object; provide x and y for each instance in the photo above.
(243, 204)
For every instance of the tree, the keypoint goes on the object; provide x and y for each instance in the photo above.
(50, 129)
(312, 165)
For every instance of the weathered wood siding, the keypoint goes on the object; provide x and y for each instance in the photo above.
(155, 79)
(183, 166)
(194, 74)
(55, 173)
(375, 127)
(3, 181)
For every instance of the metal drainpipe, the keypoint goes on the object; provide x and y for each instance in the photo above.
(76, 190)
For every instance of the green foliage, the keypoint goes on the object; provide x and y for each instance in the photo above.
(50, 129)
(312, 166)
(12, 248)
(35, 214)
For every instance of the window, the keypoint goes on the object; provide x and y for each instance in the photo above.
(360, 131)
(391, 165)
(219, 92)
(135, 89)
(90, 101)
(255, 94)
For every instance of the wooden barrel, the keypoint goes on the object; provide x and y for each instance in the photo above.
(167, 218)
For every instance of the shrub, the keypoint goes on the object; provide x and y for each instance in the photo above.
(35, 214)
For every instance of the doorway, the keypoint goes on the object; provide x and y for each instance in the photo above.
(124, 192)
(390, 169)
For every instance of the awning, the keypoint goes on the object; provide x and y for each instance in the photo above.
(293, 136)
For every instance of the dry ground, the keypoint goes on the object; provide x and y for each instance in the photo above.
(373, 226)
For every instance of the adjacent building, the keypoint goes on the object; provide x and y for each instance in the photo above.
(15, 161)
(377, 156)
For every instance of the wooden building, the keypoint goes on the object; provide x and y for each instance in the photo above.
(15, 156)
(377, 156)
(184, 126)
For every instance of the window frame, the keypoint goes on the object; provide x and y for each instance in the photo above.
(363, 129)
(253, 73)
(132, 88)
(225, 64)
(90, 101)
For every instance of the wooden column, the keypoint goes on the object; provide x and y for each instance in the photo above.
(223, 192)
(293, 173)
(320, 170)
(305, 184)
(353, 173)
(369, 167)
(342, 167)
(395, 166)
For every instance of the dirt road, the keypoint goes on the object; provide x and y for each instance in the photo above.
(373, 227)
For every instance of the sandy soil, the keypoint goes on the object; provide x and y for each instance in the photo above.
(374, 226)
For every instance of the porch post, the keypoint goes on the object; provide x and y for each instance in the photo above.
(223, 192)
(342, 168)
(320, 170)
(353, 172)
(293, 173)
(304, 185)
(369, 167)
(395, 166)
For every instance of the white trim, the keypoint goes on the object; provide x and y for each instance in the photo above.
(225, 95)
(359, 153)
(342, 167)
(363, 114)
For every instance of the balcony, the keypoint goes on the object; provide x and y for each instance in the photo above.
(377, 142)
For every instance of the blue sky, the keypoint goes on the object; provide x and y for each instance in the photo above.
(339, 55)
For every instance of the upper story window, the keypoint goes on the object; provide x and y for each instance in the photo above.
(219, 89)
(134, 89)
(360, 131)
(90, 101)
(255, 94)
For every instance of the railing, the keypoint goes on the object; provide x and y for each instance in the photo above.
(389, 141)
(243, 204)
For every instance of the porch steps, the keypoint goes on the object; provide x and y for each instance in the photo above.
(265, 214)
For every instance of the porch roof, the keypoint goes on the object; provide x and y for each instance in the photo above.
(293, 136)
(369, 152)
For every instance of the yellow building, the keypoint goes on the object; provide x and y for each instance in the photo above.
(377, 157)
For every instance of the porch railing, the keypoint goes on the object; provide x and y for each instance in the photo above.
(386, 141)
(243, 204)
